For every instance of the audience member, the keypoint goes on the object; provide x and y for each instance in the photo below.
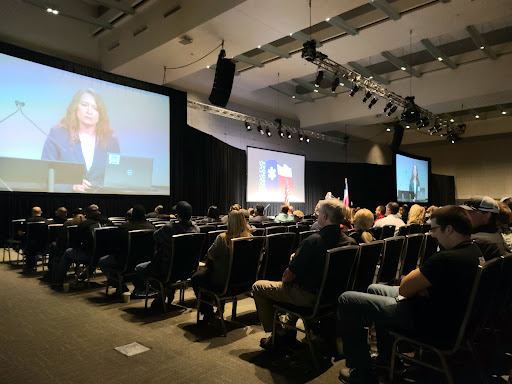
(380, 212)
(483, 212)
(283, 215)
(159, 265)
(301, 280)
(416, 215)
(252, 212)
(391, 217)
(506, 227)
(298, 216)
(234, 207)
(259, 216)
(61, 215)
(117, 259)
(159, 210)
(212, 216)
(31, 246)
(403, 213)
(420, 305)
(363, 221)
(316, 226)
(217, 264)
(348, 223)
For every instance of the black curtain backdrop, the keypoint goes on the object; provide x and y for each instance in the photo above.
(206, 171)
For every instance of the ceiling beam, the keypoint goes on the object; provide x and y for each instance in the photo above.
(301, 36)
(400, 64)
(117, 5)
(438, 54)
(312, 88)
(367, 73)
(279, 52)
(385, 7)
(292, 95)
(248, 60)
(338, 22)
(480, 42)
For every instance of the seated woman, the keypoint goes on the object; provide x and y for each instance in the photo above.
(363, 221)
(416, 215)
(215, 274)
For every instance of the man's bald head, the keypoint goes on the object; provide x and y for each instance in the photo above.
(37, 211)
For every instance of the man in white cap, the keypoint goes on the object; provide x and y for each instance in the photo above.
(483, 212)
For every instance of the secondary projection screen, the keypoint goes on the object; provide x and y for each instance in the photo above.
(64, 132)
(412, 176)
(272, 175)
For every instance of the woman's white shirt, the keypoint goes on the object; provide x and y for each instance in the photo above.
(88, 143)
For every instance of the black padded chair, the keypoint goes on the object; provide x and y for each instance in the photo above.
(207, 228)
(425, 228)
(275, 229)
(222, 227)
(244, 263)
(376, 232)
(387, 232)
(369, 255)
(429, 248)
(298, 227)
(266, 224)
(483, 288)
(210, 238)
(139, 248)
(391, 256)
(338, 268)
(412, 253)
(278, 249)
(37, 240)
(415, 228)
(184, 260)
(403, 230)
(258, 232)
(15, 240)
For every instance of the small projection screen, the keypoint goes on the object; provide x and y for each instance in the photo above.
(412, 178)
(65, 132)
(272, 176)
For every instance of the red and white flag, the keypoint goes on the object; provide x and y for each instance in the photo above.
(346, 200)
(287, 193)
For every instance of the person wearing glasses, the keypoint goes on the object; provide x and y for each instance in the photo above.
(430, 301)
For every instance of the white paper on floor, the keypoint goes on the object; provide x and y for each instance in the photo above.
(132, 349)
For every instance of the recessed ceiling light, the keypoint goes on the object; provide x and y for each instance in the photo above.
(482, 47)
(440, 58)
(503, 112)
(477, 116)
(316, 90)
(403, 68)
(451, 120)
(328, 19)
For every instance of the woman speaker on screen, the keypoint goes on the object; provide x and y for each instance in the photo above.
(83, 135)
(414, 184)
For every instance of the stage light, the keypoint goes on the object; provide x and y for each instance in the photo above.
(247, 126)
(407, 126)
(319, 78)
(452, 121)
(388, 129)
(280, 133)
(367, 96)
(335, 84)
(260, 130)
(301, 138)
(388, 105)
(306, 138)
(477, 116)
(373, 102)
(288, 135)
(268, 132)
(392, 110)
(503, 112)
(354, 90)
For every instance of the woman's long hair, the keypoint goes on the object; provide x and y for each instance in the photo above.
(363, 221)
(237, 227)
(416, 215)
(71, 124)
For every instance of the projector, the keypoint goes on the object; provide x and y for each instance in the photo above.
(412, 112)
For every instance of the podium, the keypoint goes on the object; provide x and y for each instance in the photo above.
(48, 172)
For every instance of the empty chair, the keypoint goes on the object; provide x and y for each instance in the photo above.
(207, 228)
(15, 239)
(278, 249)
(244, 263)
(388, 270)
(387, 231)
(415, 228)
(369, 255)
(36, 243)
(412, 253)
(275, 229)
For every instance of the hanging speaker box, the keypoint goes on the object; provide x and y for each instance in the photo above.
(224, 74)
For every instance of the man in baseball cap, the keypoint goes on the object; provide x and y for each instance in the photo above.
(483, 212)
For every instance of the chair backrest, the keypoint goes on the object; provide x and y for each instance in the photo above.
(391, 254)
(429, 248)
(339, 265)
(37, 236)
(140, 248)
(425, 228)
(207, 228)
(258, 232)
(275, 229)
(376, 232)
(244, 263)
(298, 227)
(369, 255)
(387, 231)
(403, 230)
(222, 227)
(16, 225)
(186, 252)
(72, 240)
(117, 218)
(211, 236)
(53, 232)
(106, 241)
(412, 253)
(415, 228)
(266, 224)
(278, 249)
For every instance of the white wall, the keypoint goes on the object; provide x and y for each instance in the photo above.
(481, 166)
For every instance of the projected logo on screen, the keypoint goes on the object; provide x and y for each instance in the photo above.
(274, 177)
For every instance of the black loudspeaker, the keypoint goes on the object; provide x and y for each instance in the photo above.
(397, 137)
(224, 74)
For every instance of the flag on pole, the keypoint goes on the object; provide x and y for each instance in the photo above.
(345, 194)
(286, 193)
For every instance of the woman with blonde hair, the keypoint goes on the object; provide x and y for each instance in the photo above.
(416, 215)
(217, 264)
(363, 221)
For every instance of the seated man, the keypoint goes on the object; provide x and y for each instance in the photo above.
(483, 212)
(301, 280)
(117, 259)
(82, 253)
(283, 215)
(61, 215)
(431, 300)
(158, 267)
(32, 248)
(259, 216)
(380, 212)
(391, 217)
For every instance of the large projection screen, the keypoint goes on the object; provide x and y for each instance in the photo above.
(65, 132)
(271, 175)
(412, 178)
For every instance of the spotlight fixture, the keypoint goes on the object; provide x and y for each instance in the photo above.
(306, 139)
(354, 90)
(301, 138)
(319, 78)
(407, 126)
(388, 105)
(247, 126)
(54, 11)
(392, 110)
(388, 129)
(412, 112)
(280, 132)
(367, 96)
(260, 130)
(288, 135)
(477, 116)
(373, 102)
(335, 84)
(452, 121)
(453, 138)
(503, 112)
(268, 132)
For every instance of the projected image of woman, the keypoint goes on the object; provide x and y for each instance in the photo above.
(83, 135)
(414, 184)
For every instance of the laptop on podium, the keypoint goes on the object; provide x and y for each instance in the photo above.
(128, 172)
